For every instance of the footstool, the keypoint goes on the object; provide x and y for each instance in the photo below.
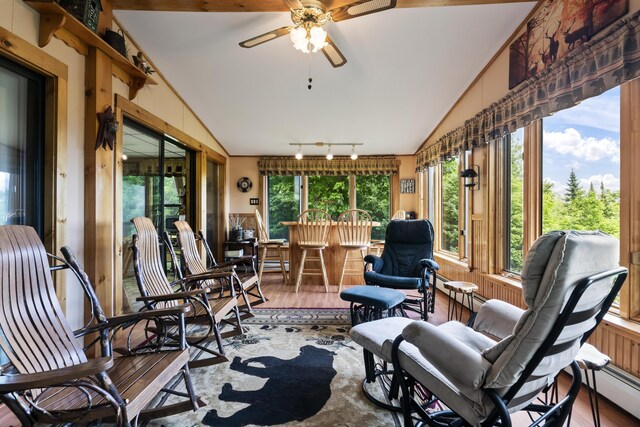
(370, 302)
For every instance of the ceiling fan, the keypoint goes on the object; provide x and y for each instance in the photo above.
(308, 18)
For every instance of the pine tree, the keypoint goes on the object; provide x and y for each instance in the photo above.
(573, 188)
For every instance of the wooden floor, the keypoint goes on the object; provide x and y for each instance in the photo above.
(281, 296)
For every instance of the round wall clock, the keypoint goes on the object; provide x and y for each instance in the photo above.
(244, 184)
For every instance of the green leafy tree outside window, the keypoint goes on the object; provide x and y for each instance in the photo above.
(450, 201)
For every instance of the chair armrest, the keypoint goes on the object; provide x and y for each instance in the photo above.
(174, 296)
(497, 318)
(429, 263)
(18, 382)
(448, 355)
(214, 274)
(147, 314)
(375, 261)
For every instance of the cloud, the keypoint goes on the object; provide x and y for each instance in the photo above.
(591, 149)
(575, 165)
(610, 182)
(599, 112)
(557, 188)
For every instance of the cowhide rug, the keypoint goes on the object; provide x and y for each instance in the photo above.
(293, 367)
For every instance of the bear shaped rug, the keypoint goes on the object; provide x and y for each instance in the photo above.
(292, 367)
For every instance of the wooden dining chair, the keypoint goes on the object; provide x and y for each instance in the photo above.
(209, 310)
(313, 235)
(270, 249)
(354, 235)
(49, 378)
(242, 269)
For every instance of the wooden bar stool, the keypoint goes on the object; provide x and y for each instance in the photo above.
(270, 250)
(313, 235)
(354, 234)
(466, 289)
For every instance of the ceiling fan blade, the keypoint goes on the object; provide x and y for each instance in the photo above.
(333, 54)
(360, 8)
(293, 4)
(263, 38)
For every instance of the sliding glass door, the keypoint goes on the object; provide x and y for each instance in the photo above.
(21, 146)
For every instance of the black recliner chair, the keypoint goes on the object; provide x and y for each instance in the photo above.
(407, 263)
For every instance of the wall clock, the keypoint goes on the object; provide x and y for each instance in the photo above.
(244, 184)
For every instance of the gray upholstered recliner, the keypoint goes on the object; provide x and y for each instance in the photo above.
(497, 367)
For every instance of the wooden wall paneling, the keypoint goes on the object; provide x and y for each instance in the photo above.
(222, 218)
(200, 198)
(99, 183)
(630, 196)
(532, 187)
(55, 139)
(119, 248)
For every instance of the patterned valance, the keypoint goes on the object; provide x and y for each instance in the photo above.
(364, 165)
(591, 69)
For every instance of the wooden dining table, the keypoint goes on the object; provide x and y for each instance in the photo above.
(333, 256)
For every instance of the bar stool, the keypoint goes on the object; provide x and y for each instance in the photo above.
(266, 248)
(590, 359)
(466, 289)
(354, 234)
(313, 235)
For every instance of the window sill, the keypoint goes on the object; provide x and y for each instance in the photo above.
(446, 258)
(498, 278)
(627, 327)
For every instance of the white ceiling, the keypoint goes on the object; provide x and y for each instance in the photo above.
(405, 69)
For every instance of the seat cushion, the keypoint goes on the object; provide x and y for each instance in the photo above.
(373, 296)
(395, 282)
(373, 335)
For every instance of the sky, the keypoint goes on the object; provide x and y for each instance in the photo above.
(587, 139)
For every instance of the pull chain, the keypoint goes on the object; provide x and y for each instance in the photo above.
(310, 79)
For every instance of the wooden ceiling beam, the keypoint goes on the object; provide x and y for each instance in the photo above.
(270, 5)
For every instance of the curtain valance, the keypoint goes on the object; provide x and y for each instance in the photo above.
(364, 165)
(594, 67)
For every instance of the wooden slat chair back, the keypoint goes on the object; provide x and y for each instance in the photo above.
(270, 250)
(354, 234)
(50, 380)
(147, 262)
(209, 311)
(247, 282)
(35, 334)
(313, 235)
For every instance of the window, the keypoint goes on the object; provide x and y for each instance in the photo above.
(330, 193)
(284, 203)
(514, 199)
(373, 194)
(450, 203)
(581, 166)
(21, 146)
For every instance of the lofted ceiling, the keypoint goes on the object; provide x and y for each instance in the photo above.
(406, 67)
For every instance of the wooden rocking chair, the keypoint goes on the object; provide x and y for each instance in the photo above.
(49, 378)
(157, 292)
(243, 269)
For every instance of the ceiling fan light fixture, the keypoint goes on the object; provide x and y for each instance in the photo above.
(298, 37)
(317, 38)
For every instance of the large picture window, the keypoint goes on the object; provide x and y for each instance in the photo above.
(284, 203)
(450, 202)
(373, 194)
(330, 193)
(581, 166)
(514, 214)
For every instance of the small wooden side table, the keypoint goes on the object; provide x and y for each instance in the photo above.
(466, 289)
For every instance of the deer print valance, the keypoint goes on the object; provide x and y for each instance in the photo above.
(590, 69)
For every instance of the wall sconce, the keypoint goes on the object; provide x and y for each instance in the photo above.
(471, 177)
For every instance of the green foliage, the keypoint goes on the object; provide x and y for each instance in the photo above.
(284, 205)
(589, 210)
(450, 205)
(330, 193)
(374, 196)
(516, 209)
(134, 198)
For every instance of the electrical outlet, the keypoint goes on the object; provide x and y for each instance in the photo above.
(254, 201)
